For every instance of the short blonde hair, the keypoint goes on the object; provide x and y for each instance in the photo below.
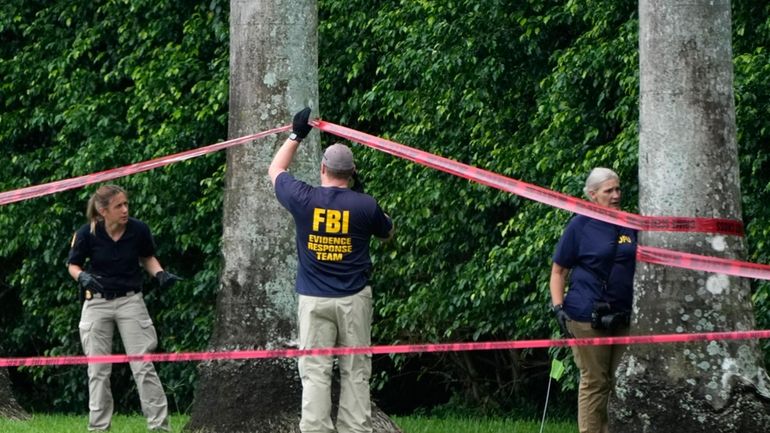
(598, 176)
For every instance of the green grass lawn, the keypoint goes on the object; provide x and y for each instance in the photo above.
(42, 423)
(421, 424)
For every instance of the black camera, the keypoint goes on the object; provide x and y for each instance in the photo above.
(602, 317)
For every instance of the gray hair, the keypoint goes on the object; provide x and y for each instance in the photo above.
(598, 176)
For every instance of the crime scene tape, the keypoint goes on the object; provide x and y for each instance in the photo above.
(696, 262)
(21, 194)
(562, 201)
(534, 192)
(381, 350)
(543, 195)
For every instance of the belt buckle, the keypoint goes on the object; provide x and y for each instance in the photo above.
(110, 295)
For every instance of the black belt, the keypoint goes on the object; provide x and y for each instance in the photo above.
(112, 295)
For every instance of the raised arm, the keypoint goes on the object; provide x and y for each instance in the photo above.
(284, 156)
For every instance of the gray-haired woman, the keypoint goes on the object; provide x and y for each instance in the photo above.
(600, 260)
(113, 246)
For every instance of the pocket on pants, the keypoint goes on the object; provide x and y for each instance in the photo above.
(149, 333)
(85, 334)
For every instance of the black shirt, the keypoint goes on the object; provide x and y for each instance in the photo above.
(115, 264)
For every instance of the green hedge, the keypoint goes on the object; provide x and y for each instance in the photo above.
(540, 91)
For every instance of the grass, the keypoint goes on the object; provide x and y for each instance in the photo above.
(420, 424)
(44, 423)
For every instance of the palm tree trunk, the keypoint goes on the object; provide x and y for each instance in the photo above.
(688, 166)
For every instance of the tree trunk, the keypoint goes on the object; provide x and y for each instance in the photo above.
(688, 166)
(273, 74)
(9, 407)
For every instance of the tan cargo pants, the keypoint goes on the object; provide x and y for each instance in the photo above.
(597, 366)
(336, 322)
(97, 325)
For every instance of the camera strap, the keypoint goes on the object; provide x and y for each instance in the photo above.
(605, 281)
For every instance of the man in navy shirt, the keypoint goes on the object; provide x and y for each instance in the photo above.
(334, 226)
(600, 259)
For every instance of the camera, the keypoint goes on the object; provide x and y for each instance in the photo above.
(602, 317)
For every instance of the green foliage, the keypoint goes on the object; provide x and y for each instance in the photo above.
(89, 86)
(541, 91)
(752, 97)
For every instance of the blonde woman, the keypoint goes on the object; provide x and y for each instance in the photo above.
(114, 248)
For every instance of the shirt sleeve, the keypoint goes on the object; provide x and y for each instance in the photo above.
(567, 250)
(80, 248)
(147, 243)
(290, 192)
(381, 224)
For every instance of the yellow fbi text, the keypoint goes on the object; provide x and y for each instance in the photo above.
(330, 248)
(332, 220)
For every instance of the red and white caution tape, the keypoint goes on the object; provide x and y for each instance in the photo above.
(562, 201)
(27, 193)
(381, 350)
(696, 262)
(543, 195)
(534, 192)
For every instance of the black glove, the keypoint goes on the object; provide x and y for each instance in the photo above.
(561, 319)
(87, 281)
(166, 279)
(356, 184)
(299, 125)
(88, 285)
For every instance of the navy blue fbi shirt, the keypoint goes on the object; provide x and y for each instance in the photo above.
(115, 264)
(334, 227)
(597, 252)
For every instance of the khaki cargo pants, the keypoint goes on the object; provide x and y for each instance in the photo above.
(97, 325)
(336, 322)
(597, 366)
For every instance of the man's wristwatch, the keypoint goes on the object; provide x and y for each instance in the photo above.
(293, 136)
(556, 308)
